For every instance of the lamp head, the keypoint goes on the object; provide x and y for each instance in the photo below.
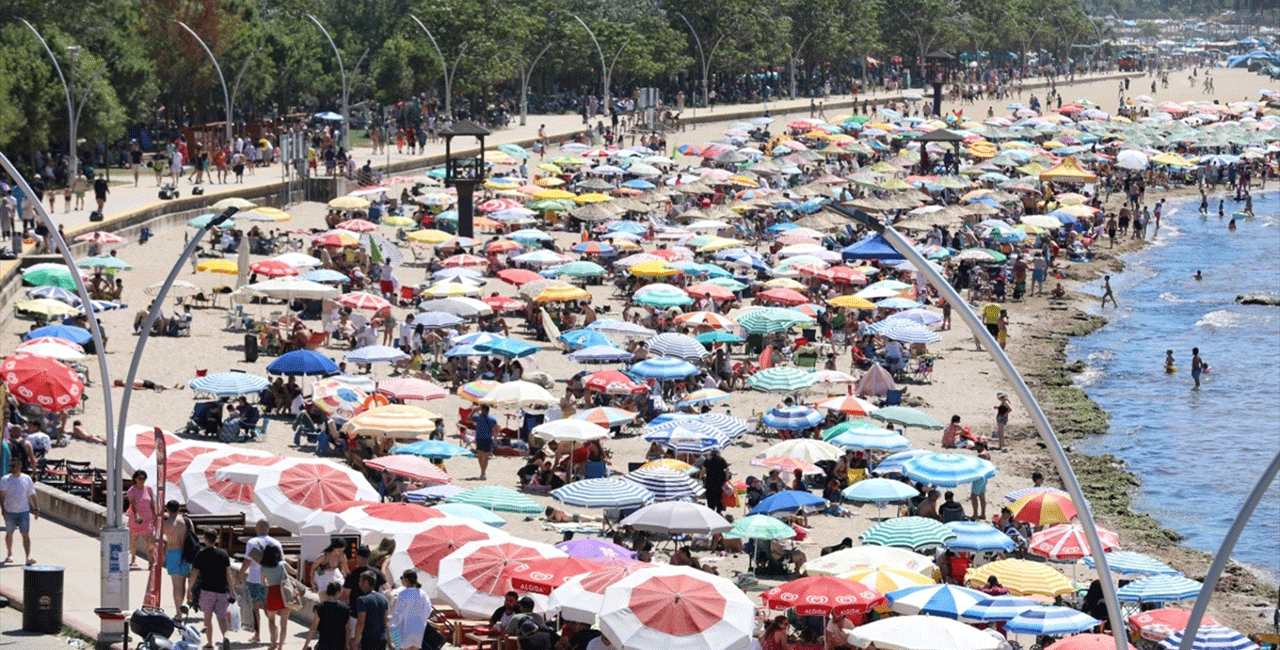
(222, 218)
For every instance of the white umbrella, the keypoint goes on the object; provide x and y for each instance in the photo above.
(922, 633)
(571, 431)
(473, 579)
(676, 607)
(868, 556)
(292, 288)
(206, 494)
(678, 517)
(1131, 159)
(806, 449)
(298, 260)
(459, 306)
(519, 395)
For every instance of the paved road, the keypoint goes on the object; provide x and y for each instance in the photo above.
(13, 638)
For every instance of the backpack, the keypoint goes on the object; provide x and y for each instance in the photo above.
(190, 544)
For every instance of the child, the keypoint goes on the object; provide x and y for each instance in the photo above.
(1168, 362)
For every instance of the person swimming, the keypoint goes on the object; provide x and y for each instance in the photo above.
(1198, 276)
(1232, 225)
(1169, 366)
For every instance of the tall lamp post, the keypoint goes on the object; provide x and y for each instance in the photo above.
(226, 95)
(464, 173)
(1063, 464)
(114, 538)
(604, 66)
(346, 115)
(444, 65)
(701, 56)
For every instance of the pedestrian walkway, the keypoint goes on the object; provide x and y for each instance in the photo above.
(13, 638)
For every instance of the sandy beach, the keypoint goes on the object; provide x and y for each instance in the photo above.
(964, 381)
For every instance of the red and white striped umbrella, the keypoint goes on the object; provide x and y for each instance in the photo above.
(290, 490)
(473, 579)
(542, 576)
(710, 319)
(676, 607)
(435, 540)
(102, 237)
(362, 300)
(42, 381)
(358, 225)
(206, 494)
(411, 467)
(272, 268)
(494, 205)
(374, 521)
(179, 455)
(464, 259)
(1067, 542)
(579, 599)
(613, 382)
(784, 296)
(407, 388)
(140, 447)
(848, 404)
(822, 596)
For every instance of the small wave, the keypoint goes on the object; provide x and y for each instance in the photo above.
(1089, 376)
(1169, 297)
(1224, 319)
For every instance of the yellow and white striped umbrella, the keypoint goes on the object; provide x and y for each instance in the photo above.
(398, 421)
(1021, 577)
(887, 579)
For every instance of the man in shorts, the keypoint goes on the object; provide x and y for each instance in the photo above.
(18, 505)
(211, 571)
(175, 527)
(485, 425)
(251, 574)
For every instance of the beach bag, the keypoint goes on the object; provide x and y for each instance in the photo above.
(729, 496)
(291, 593)
(233, 618)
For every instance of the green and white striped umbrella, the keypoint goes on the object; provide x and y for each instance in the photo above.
(727, 283)
(913, 533)
(760, 527)
(781, 379)
(498, 499)
(581, 269)
(104, 262)
(772, 319)
(907, 417)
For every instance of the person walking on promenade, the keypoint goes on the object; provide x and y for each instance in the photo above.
(18, 505)
(175, 528)
(251, 574)
(212, 572)
(142, 518)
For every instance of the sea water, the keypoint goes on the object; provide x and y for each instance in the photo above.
(1197, 453)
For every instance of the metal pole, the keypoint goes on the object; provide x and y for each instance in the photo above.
(114, 591)
(703, 57)
(346, 118)
(444, 65)
(604, 66)
(944, 289)
(73, 163)
(226, 95)
(1224, 553)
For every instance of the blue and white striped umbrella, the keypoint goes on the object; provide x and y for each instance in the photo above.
(228, 384)
(54, 293)
(432, 493)
(1134, 563)
(1211, 637)
(900, 329)
(998, 608)
(375, 354)
(464, 351)
(793, 418)
(687, 440)
(732, 426)
(436, 320)
(664, 368)
(1159, 589)
(104, 305)
(879, 490)
(600, 354)
(975, 537)
(1049, 620)
(948, 470)
(681, 346)
(878, 439)
(663, 430)
(893, 464)
(947, 601)
(474, 338)
(666, 484)
(603, 493)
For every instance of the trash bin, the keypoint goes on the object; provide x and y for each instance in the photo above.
(250, 347)
(42, 599)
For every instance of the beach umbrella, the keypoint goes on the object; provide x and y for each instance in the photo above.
(1018, 494)
(608, 553)
(585, 338)
(46, 308)
(370, 354)
(498, 498)
(663, 368)
(948, 470)
(435, 540)
(50, 275)
(978, 537)
(621, 328)
(807, 449)
(101, 236)
(473, 579)
(506, 347)
(1067, 542)
(54, 293)
(1133, 563)
(788, 466)
(871, 439)
(922, 633)
(760, 527)
(205, 219)
(461, 306)
(474, 513)
(302, 362)
(844, 561)
(1021, 577)
(601, 354)
(907, 417)
(373, 520)
(677, 517)
(519, 394)
(895, 463)
(666, 484)
(782, 379)
(901, 329)
(53, 348)
(879, 491)
(289, 490)
(579, 599)
(206, 493)
(685, 441)
(473, 391)
(710, 319)
(337, 398)
(603, 493)
(1051, 621)
(796, 418)
(1086, 642)
(437, 320)
(947, 601)
(71, 333)
(680, 346)
(410, 467)
(228, 384)
(432, 449)
(1159, 589)
(789, 501)
(914, 533)
(1211, 637)
(42, 381)
(613, 382)
(432, 493)
(676, 607)
(273, 269)
(108, 262)
(395, 421)
(822, 596)
(1159, 624)
(571, 431)
(1044, 508)
(703, 396)
(766, 320)
(411, 388)
(225, 267)
(847, 404)
(542, 576)
(605, 416)
(999, 608)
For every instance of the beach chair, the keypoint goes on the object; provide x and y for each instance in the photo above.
(596, 469)
(892, 398)
(924, 370)
(316, 339)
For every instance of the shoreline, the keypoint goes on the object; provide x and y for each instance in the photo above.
(1244, 595)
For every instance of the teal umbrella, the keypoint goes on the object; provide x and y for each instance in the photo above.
(663, 299)
(104, 262)
(727, 283)
(848, 425)
(907, 417)
(913, 533)
(50, 275)
(760, 527)
(498, 499)
(204, 219)
(709, 338)
(469, 511)
(772, 319)
(514, 150)
(581, 269)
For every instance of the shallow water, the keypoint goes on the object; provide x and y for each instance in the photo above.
(1197, 453)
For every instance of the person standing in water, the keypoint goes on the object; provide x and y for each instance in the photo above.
(1197, 366)
(1204, 203)
(1169, 364)
(1221, 212)
(1108, 293)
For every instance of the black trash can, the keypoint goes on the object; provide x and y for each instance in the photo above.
(42, 599)
(250, 347)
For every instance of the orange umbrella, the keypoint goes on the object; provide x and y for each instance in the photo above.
(1044, 508)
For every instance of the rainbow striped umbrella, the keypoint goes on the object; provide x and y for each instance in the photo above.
(474, 391)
